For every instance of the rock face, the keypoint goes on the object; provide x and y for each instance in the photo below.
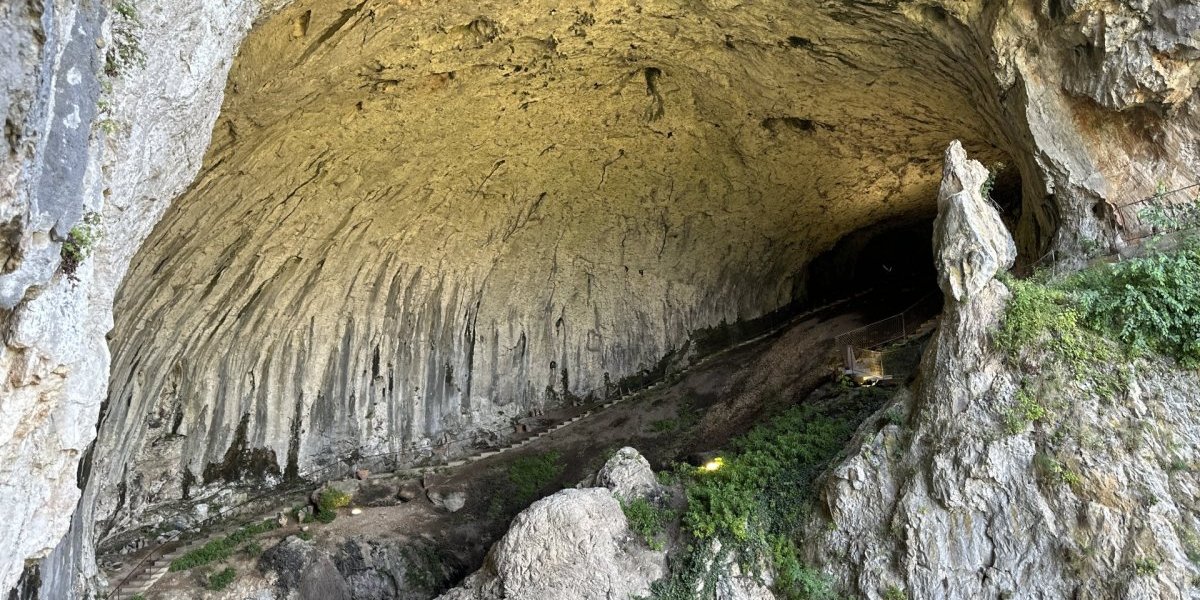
(418, 221)
(628, 475)
(573, 544)
(971, 243)
(1097, 502)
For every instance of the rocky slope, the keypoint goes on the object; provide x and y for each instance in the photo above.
(399, 180)
(1016, 478)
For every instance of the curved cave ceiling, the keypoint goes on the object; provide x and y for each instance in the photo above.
(419, 218)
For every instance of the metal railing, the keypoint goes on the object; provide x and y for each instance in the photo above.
(890, 329)
(395, 462)
(1158, 214)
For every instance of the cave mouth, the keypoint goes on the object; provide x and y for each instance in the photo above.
(416, 224)
(891, 255)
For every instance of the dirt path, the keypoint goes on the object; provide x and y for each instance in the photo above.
(699, 410)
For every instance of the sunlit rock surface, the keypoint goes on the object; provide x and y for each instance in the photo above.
(502, 203)
(1096, 500)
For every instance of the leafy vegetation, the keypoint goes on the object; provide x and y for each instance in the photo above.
(894, 592)
(530, 474)
(79, 243)
(664, 425)
(328, 501)
(222, 579)
(1028, 410)
(1145, 567)
(125, 51)
(223, 548)
(647, 520)
(757, 500)
(1148, 304)
(1163, 216)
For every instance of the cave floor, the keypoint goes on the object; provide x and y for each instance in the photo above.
(697, 410)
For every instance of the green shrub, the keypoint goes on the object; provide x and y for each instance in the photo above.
(304, 535)
(530, 474)
(1145, 566)
(664, 425)
(1148, 304)
(223, 548)
(328, 501)
(771, 469)
(331, 499)
(253, 549)
(893, 592)
(646, 519)
(222, 579)
(79, 243)
(1028, 410)
(793, 579)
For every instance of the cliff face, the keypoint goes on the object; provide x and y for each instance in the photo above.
(79, 140)
(1016, 478)
(418, 220)
(381, 252)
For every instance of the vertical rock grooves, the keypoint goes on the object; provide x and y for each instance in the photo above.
(417, 221)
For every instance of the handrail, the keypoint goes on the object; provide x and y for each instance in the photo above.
(1050, 258)
(863, 334)
(301, 481)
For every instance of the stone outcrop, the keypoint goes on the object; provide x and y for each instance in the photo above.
(573, 544)
(628, 475)
(972, 245)
(419, 220)
(1097, 500)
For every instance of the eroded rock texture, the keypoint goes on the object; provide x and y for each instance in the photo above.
(420, 219)
(965, 499)
(573, 544)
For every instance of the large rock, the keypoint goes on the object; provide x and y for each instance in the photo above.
(971, 243)
(628, 475)
(573, 544)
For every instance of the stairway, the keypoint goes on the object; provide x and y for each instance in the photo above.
(143, 576)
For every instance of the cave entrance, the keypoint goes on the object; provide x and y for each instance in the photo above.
(884, 255)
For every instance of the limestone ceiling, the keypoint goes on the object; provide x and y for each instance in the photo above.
(445, 208)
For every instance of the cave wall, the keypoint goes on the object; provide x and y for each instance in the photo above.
(417, 222)
(1093, 101)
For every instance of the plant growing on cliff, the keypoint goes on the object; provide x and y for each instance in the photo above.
(222, 579)
(223, 548)
(328, 501)
(1148, 304)
(755, 502)
(646, 519)
(125, 50)
(530, 474)
(80, 242)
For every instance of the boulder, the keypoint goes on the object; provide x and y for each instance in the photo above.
(451, 500)
(574, 544)
(628, 475)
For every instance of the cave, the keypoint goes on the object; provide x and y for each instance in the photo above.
(418, 223)
(415, 225)
(407, 230)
